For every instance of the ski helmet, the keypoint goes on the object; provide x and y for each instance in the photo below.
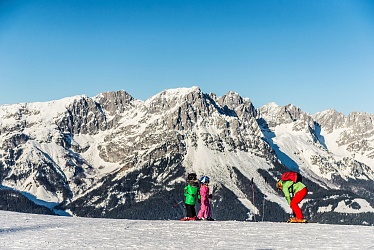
(204, 179)
(279, 185)
(192, 177)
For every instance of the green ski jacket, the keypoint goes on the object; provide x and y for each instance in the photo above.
(192, 194)
(288, 188)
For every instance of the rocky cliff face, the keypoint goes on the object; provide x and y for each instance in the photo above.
(357, 130)
(114, 156)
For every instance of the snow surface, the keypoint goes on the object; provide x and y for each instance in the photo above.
(30, 231)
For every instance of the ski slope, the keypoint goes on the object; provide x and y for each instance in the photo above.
(30, 231)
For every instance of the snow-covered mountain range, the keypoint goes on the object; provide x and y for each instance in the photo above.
(118, 157)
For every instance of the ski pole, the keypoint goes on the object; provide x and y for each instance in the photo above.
(175, 205)
(263, 208)
(253, 200)
(263, 202)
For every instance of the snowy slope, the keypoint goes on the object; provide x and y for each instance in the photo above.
(27, 231)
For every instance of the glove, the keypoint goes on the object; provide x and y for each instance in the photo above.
(210, 196)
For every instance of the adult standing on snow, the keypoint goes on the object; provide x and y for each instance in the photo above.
(191, 193)
(299, 191)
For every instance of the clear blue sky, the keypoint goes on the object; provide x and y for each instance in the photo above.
(314, 54)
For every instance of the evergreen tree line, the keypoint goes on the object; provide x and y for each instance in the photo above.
(14, 201)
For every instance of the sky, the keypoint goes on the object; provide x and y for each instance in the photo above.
(316, 55)
(30, 231)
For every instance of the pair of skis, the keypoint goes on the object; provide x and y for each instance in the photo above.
(295, 220)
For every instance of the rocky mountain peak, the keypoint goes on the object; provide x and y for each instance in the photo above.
(360, 122)
(330, 120)
(241, 107)
(275, 115)
(115, 102)
(231, 100)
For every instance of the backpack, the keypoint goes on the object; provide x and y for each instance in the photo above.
(291, 176)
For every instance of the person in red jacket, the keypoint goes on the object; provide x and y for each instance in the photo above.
(299, 191)
(205, 208)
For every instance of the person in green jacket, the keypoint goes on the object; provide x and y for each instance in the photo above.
(298, 190)
(192, 194)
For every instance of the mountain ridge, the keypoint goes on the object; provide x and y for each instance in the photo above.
(115, 156)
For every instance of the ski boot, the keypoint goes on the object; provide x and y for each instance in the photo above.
(296, 220)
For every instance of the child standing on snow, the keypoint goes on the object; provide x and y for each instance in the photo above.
(205, 208)
(191, 193)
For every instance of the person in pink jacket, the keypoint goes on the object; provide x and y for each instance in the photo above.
(205, 208)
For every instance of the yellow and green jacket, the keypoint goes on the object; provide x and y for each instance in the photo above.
(289, 187)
